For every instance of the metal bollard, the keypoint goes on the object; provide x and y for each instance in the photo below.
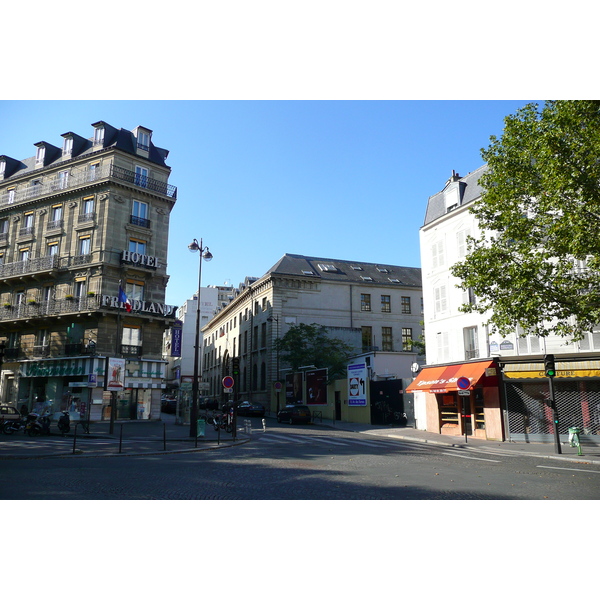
(264, 423)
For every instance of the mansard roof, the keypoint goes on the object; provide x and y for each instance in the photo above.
(469, 190)
(350, 271)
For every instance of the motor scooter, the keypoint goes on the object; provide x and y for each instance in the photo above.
(64, 422)
(37, 425)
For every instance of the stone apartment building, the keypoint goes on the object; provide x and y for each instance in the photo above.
(373, 307)
(77, 222)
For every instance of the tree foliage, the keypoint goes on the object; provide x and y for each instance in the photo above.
(305, 345)
(536, 263)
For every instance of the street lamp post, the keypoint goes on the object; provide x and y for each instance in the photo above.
(206, 255)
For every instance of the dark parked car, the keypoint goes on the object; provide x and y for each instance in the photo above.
(168, 405)
(208, 404)
(294, 413)
(250, 409)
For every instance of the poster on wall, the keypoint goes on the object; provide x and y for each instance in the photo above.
(316, 387)
(115, 374)
(293, 388)
(357, 385)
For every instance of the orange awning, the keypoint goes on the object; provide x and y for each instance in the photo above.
(439, 380)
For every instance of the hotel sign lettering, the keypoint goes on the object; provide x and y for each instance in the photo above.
(140, 259)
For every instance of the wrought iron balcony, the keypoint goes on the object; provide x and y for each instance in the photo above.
(78, 179)
(49, 308)
(128, 350)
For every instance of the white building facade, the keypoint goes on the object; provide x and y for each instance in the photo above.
(509, 367)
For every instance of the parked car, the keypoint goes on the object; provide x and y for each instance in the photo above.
(9, 413)
(250, 409)
(294, 413)
(168, 405)
(208, 404)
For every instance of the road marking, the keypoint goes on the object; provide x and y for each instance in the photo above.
(325, 440)
(470, 457)
(566, 469)
(271, 437)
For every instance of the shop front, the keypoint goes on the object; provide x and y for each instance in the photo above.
(576, 389)
(57, 385)
(461, 399)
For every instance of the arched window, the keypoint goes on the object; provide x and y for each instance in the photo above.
(263, 376)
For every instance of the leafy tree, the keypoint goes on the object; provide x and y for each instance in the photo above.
(304, 345)
(536, 264)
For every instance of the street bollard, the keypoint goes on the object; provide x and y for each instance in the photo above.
(248, 426)
(264, 422)
(574, 439)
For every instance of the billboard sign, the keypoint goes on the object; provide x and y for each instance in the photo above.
(357, 385)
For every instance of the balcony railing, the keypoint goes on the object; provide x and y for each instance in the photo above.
(82, 178)
(49, 308)
(32, 265)
(128, 350)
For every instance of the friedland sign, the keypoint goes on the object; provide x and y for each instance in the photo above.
(155, 308)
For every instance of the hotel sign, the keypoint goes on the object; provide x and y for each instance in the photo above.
(142, 260)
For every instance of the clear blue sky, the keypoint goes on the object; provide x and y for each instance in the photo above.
(256, 179)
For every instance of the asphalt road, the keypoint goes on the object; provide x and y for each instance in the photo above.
(304, 463)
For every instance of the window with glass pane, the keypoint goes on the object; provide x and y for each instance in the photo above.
(406, 305)
(387, 344)
(56, 214)
(52, 249)
(407, 339)
(28, 220)
(79, 289)
(367, 336)
(63, 179)
(11, 195)
(84, 245)
(132, 336)
(139, 209)
(141, 176)
(88, 206)
(98, 135)
(24, 254)
(137, 246)
(365, 302)
(68, 145)
(134, 290)
(386, 304)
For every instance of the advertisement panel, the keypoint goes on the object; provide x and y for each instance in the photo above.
(115, 374)
(316, 387)
(293, 388)
(357, 385)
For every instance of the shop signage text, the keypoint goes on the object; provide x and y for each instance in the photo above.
(55, 369)
(158, 308)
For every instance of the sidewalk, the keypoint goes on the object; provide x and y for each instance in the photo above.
(591, 454)
(128, 438)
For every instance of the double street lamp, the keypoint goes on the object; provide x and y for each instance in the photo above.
(206, 255)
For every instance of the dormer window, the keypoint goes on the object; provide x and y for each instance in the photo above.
(68, 146)
(98, 136)
(40, 155)
(2, 167)
(143, 140)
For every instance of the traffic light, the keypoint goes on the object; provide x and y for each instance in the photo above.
(235, 365)
(549, 367)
